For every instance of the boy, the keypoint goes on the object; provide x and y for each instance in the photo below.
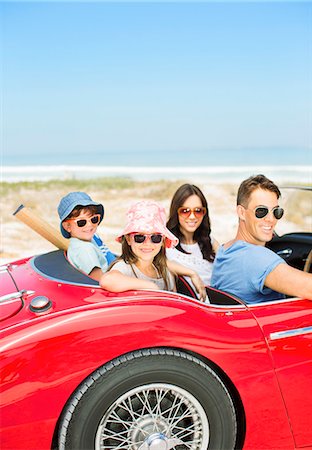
(80, 217)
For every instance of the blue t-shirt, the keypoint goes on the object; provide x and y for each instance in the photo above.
(241, 270)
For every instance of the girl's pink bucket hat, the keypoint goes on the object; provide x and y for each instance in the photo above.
(147, 216)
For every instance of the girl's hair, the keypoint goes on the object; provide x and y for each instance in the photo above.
(160, 260)
(202, 234)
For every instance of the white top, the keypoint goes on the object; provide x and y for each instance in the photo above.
(126, 269)
(194, 261)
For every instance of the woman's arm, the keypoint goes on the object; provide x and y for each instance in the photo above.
(179, 269)
(115, 281)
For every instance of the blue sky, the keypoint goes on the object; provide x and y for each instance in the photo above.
(89, 77)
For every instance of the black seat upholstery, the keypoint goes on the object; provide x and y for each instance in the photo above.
(56, 266)
(183, 287)
(218, 297)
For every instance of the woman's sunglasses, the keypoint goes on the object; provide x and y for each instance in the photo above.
(263, 211)
(140, 238)
(83, 222)
(186, 212)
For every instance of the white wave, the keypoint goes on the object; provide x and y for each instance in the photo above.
(298, 173)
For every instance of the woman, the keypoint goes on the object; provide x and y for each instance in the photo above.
(189, 222)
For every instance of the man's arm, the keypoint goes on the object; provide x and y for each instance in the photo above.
(290, 281)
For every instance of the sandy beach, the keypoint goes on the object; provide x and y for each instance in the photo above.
(18, 240)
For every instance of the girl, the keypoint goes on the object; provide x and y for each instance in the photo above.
(143, 262)
(189, 221)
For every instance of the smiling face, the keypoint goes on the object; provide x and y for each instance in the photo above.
(254, 230)
(86, 232)
(188, 225)
(147, 250)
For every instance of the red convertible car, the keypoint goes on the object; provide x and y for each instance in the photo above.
(83, 368)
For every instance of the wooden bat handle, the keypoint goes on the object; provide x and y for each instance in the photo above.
(36, 223)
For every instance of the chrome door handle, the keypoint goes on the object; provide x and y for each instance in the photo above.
(285, 253)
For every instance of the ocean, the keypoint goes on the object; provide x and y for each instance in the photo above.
(231, 165)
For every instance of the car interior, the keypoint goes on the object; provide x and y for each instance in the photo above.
(295, 248)
(55, 266)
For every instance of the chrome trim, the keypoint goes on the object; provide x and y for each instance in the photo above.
(15, 295)
(273, 302)
(286, 252)
(290, 333)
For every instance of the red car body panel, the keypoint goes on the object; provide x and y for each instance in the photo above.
(291, 356)
(45, 356)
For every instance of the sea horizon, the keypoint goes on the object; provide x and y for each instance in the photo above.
(282, 164)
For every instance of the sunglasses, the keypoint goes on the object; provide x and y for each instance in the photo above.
(83, 222)
(186, 212)
(140, 238)
(263, 211)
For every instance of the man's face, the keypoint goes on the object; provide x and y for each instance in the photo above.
(259, 231)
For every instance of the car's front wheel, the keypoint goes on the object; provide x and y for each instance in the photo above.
(156, 399)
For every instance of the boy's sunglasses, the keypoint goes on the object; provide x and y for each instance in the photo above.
(186, 212)
(263, 211)
(140, 238)
(83, 222)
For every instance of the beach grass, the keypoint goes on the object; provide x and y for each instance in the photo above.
(161, 187)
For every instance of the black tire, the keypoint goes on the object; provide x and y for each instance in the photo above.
(150, 396)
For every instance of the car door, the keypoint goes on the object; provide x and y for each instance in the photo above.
(287, 327)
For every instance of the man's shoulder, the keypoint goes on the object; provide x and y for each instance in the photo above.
(260, 250)
(244, 251)
(249, 248)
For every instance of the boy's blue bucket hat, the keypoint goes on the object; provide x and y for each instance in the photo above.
(70, 202)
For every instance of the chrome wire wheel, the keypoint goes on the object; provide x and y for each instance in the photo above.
(154, 416)
(151, 399)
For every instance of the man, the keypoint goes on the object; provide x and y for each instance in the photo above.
(244, 267)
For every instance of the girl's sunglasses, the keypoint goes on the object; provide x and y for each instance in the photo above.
(140, 238)
(263, 211)
(186, 212)
(83, 222)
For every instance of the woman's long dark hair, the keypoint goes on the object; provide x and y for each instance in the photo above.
(202, 234)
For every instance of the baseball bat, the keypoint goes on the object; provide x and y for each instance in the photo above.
(36, 223)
